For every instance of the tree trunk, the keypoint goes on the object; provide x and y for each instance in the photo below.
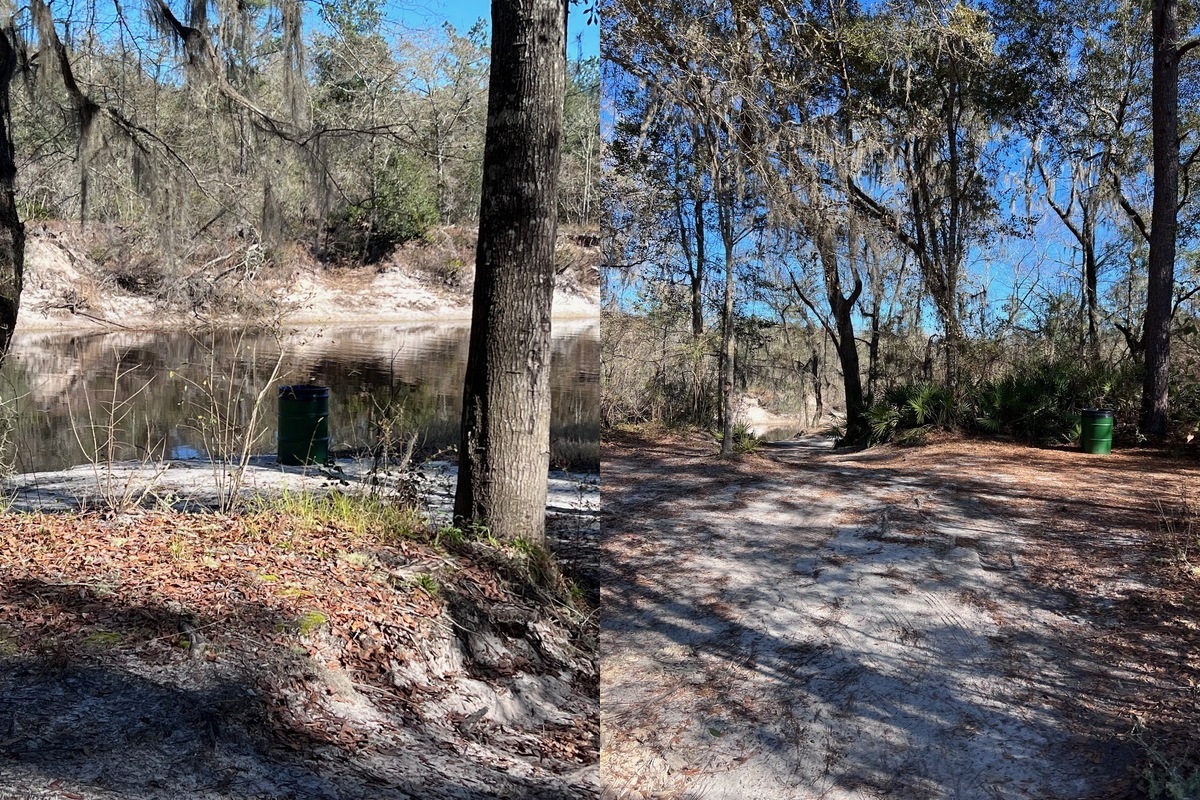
(12, 232)
(847, 350)
(698, 275)
(728, 346)
(873, 348)
(814, 368)
(1164, 116)
(1091, 297)
(955, 341)
(845, 342)
(504, 451)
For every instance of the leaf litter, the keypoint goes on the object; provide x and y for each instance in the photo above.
(171, 654)
(962, 619)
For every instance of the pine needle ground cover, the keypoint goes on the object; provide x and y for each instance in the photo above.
(964, 618)
(276, 654)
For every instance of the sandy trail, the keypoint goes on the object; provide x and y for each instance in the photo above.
(936, 622)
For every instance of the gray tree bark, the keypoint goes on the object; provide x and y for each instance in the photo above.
(504, 452)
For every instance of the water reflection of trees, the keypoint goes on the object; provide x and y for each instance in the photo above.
(64, 386)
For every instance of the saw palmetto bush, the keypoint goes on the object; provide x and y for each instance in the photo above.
(907, 413)
(1040, 401)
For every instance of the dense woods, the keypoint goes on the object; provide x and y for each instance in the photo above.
(976, 214)
(180, 135)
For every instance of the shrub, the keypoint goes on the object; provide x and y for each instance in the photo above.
(744, 440)
(1037, 401)
(406, 201)
(1185, 395)
(907, 413)
(403, 208)
(1040, 401)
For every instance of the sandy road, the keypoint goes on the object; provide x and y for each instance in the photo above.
(901, 623)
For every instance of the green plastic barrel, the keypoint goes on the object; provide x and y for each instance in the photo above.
(1096, 425)
(303, 425)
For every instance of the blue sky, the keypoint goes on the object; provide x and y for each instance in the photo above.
(462, 14)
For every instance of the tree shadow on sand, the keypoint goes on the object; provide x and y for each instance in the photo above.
(863, 645)
(116, 713)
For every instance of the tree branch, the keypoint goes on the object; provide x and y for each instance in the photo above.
(1128, 208)
(883, 215)
(820, 317)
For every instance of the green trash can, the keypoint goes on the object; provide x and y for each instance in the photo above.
(1095, 431)
(303, 425)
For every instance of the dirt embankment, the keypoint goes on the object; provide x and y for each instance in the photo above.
(966, 619)
(162, 655)
(101, 278)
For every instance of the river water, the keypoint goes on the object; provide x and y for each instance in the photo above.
(115, 396)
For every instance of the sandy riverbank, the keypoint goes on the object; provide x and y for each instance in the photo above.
(71, 285)
(199, 484)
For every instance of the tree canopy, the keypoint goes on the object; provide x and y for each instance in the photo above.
(949, 195)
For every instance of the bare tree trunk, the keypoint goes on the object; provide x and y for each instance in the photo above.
(873, 348)
(955, 342)
(728, 347)
(691, 242)
(846, 345)
(1091, 300)
(1164, 115)
(698, 275)
(505, 447)
(814, 369)
(1084, 232)
(12, 232)
(841, 330)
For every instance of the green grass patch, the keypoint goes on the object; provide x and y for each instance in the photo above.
(179, 549)
(365, 516)
(427, 582)
(102, 639)
(311, 621)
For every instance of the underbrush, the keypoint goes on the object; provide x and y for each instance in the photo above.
(399, 437)
(575, 447)
(361, 515)
(1038, 401)
(385, 521)
(302, 564)
(908, 413)
(1165, 777)
(1170, 769)
(1179, 535)
(744, 440)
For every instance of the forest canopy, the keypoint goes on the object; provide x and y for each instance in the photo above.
(917, 214)
(334, 125)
